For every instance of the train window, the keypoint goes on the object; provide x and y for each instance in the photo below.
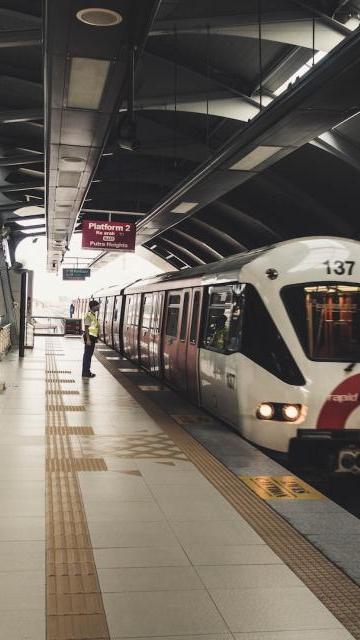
(128, 310)
(137, 307)
(174, 299)
(263, 343)
(185, 313)
(172, 321)
(146, 312)
(224, 318)
(195, 317)
(326, 318)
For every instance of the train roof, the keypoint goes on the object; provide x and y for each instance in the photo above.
(221, 267)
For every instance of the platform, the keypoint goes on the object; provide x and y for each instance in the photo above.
(117, 523)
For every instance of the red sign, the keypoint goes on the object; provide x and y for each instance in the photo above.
(108, 236)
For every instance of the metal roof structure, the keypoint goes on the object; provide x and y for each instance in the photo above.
(216, 125)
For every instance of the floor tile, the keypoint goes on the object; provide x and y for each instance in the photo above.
(24, 590)
(116, 511)
(218, 636)
(132, 534)
(141, 557)
(248, 577)
(22, 529)
(22, 556)
(149, 579)
(315, 634)
(162, 613)
(22, 625)
(231, 555)
(286, 609)
(234, 532)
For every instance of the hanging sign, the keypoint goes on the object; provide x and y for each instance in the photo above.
(76, 274)
(108, 236)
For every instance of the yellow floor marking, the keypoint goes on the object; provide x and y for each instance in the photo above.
(281, 487)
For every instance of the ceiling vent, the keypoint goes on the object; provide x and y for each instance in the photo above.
(96, 17)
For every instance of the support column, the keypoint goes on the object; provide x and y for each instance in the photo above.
(8, 298)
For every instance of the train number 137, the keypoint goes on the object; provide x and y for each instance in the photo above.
(339, 267)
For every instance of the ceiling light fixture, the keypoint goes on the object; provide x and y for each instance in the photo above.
(88, 77)
(98, 17)
(30, 222)
(37, 230)
(184, 207)
(254, 158)
(72, 160)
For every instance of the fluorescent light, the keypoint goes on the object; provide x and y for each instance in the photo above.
(184, 207)
(254, 158)
(38, 230)
(87, 81)
(30, 211)
(110, 153)
(153, 246)
(29, 223)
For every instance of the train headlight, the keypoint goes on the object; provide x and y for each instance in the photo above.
(291, 412)
(265, 411)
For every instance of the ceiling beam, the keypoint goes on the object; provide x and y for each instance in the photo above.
(20, 38)
(300, 198)
(229, 244)
(4, 188)
(21, 160)
(180, 252)
(201, 66)
(20, 115)
(282, 27)
(339, 146)
(201, 248)
(291, 121)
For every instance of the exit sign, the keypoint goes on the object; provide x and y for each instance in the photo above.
(76, 274)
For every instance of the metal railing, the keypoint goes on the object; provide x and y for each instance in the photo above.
(5, 339)
(47, 326)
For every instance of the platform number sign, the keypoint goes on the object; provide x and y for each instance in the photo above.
(339, 267)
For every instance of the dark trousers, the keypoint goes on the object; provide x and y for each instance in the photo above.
(88, 352)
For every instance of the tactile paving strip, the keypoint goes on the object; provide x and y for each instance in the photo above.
(74, 605)
(70, 431)
(339, 594)
(61, 392)
(65, 407)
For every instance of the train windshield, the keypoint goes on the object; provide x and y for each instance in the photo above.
(326, 318)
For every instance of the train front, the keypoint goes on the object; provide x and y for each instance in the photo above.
(317, 305)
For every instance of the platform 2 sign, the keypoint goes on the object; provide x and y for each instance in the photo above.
(281, 487)
(108, 236)
(76, 274)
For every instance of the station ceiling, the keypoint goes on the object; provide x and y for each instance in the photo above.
(242, 128)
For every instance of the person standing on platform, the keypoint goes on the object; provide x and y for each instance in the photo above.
(91, 334)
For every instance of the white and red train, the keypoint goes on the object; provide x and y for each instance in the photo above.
(268, 341)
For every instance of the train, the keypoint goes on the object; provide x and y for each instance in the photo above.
(268, 341)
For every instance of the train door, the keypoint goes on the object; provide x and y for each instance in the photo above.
(219, 361)
(170, 337)
(116, 323)
(192, 352)
(135, 327)
(109, 310)
(101, 314)
(182, 342)
(129, 301)
(155, 333)
(144, 330)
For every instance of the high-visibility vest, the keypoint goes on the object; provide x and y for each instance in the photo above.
(92, 324)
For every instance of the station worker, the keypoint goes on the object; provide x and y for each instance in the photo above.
(91, 334)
